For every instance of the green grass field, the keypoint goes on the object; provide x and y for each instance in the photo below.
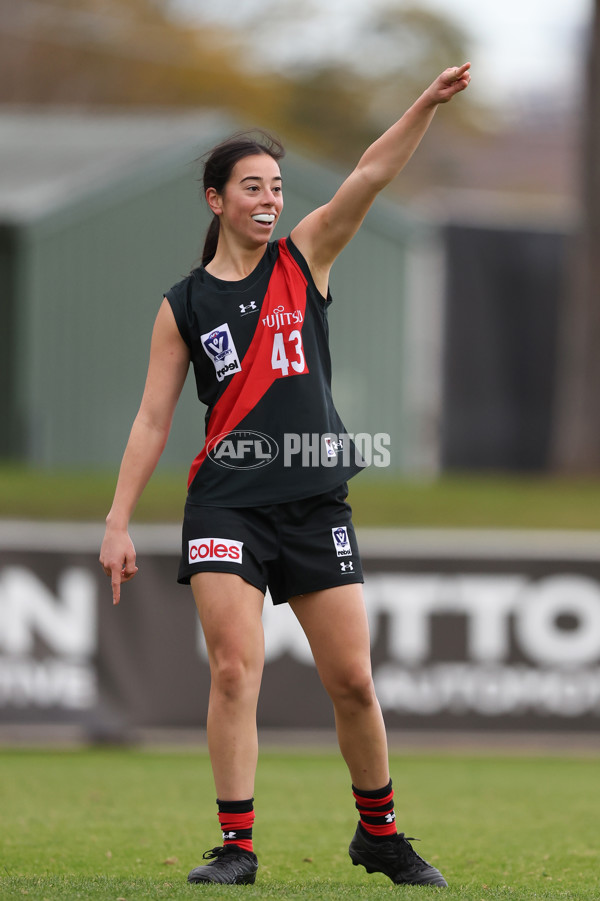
(129, 824)
(122, 825)
(469, 501)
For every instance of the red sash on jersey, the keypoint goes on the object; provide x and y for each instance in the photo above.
(287, 288)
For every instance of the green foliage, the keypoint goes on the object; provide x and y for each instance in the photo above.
(128, 824)
(478, 501)
(140, 53)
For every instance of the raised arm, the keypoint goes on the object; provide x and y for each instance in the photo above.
(326, 231)
(167, 369)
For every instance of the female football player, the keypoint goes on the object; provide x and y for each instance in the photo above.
(252, 319)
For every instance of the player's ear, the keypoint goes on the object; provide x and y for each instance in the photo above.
(214, 201)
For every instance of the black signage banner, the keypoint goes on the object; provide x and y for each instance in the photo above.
(470, 631)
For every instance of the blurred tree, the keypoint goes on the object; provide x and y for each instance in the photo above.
(140, 53)
(340, 104)
(112, 52)
(400, 49)
(577, 431)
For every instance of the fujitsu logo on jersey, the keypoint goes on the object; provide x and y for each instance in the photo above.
(201, 550)
(220, 348)
(280, 317)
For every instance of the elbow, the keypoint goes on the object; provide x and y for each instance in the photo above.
(153, 429)
(375, 177)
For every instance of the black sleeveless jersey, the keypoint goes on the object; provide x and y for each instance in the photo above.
(260, 352)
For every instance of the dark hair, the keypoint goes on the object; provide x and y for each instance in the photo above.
(218, 166)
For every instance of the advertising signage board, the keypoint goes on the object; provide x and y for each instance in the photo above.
(470, 631)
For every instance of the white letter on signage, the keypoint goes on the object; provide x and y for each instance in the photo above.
(66, 623)
(536, 622)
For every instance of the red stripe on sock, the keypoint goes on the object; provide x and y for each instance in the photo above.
(236, 822)
(245, 844)
(232, 821)
(374, 802)
(376, 807)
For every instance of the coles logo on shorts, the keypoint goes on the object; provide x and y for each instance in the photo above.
(341, 542)
(202, 550)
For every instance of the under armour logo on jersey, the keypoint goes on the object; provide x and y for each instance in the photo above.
(347, 567)
(248, 308)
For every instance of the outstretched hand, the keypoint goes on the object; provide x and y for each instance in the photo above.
(449, 83)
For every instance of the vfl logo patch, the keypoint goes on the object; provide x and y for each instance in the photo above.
(332, 446)
(341, 542)
(201, 550)
(219, 346)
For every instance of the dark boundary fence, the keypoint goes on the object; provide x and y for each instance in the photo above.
(484, 633)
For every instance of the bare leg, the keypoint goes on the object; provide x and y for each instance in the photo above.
(230, 613)
(335, 623)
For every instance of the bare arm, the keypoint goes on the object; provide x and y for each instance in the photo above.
(169, 362)
(326, 231)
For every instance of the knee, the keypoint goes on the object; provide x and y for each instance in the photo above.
(353, 687)
(234, 678)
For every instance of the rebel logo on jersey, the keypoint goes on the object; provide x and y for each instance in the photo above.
(219, 346)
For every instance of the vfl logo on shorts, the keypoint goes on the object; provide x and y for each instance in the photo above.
(219, 346)
(203, 550)
(341, 542)
(332, 446)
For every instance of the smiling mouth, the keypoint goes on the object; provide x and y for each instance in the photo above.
(268, 218)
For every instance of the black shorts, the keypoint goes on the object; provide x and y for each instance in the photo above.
(291, 548)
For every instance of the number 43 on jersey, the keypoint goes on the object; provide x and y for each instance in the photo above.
(288, 353)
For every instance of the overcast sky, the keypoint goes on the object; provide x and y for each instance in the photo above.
(529, 45)
(538, 43)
